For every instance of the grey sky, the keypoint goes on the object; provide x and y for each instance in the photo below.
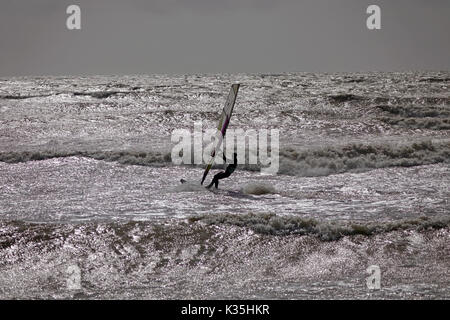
(208, 36)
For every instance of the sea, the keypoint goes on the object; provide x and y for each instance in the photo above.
(91, 204)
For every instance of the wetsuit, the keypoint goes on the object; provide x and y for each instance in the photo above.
(224, 174)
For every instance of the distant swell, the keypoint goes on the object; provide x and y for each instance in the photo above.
(123, 157)
(434, 79)
(435, 117)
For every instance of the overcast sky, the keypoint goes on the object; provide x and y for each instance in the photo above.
(209, 36)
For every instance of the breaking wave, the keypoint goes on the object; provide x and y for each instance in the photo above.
(272, 224)
(361, 157)
(310, 162)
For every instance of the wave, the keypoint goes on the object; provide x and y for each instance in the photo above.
(361, 157)
(435, 117)
(310, 162)
(101, 94)
(23, 97)
(213, 257)
(204, 227)
(94, 94)
(271, 224)
(420, 123)
(426, 101)
(435, 111)
(123, 157)
(434, 79)
(344, 97)
(258, 189)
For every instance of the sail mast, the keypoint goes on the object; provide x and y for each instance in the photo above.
(223, 124)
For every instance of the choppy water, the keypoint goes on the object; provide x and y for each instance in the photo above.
(86, 179)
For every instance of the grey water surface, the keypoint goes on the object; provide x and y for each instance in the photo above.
(86, 180)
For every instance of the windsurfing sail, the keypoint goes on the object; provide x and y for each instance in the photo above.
(223, 124)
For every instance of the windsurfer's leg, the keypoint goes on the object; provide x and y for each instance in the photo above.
(212, 182)
(215, 180)
(220, 175)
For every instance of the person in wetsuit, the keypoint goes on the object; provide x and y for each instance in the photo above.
(224, 174)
